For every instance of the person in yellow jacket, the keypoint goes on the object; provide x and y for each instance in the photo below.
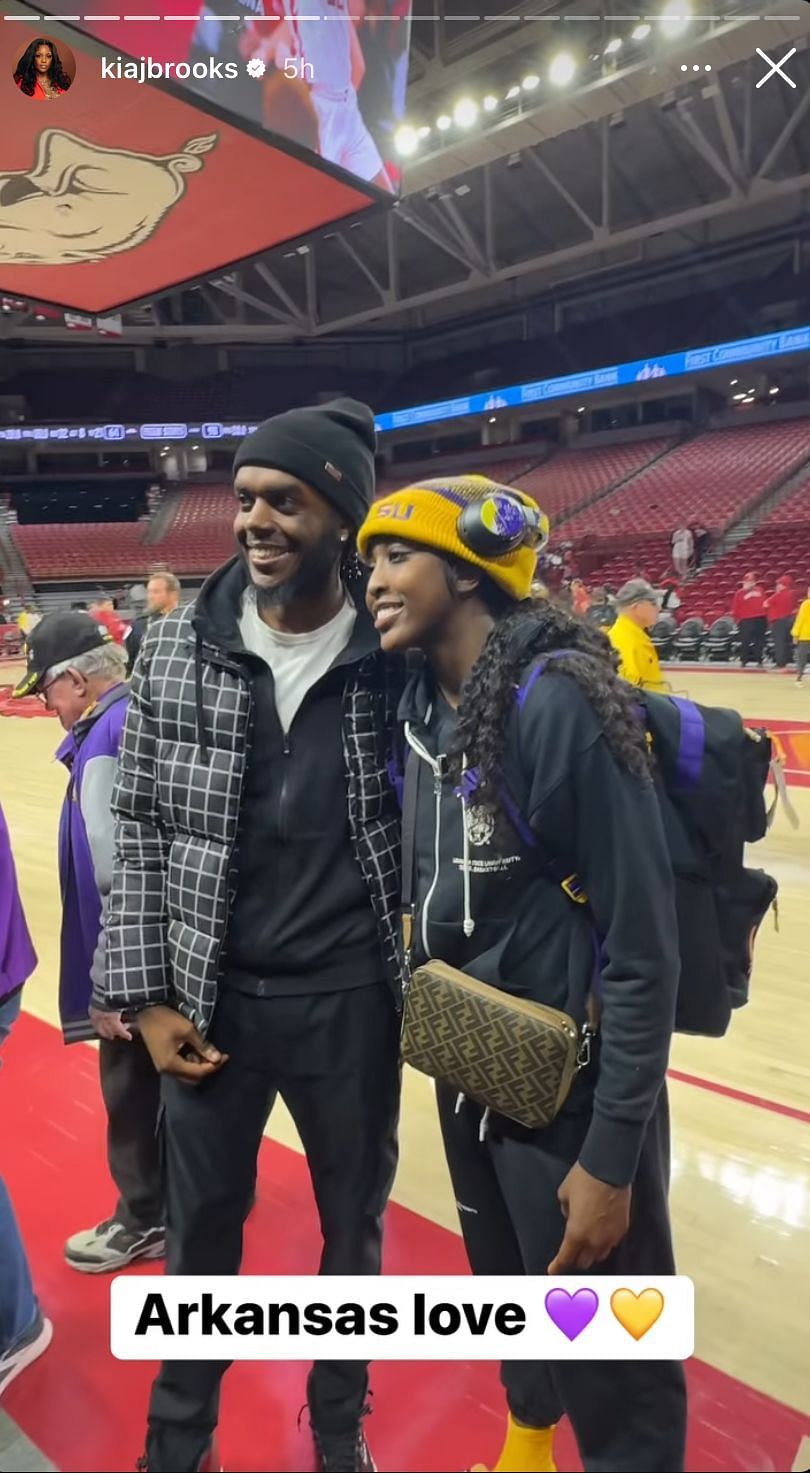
(638, 609)
(801, 634)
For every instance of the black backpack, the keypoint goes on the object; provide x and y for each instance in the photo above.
(710, 779)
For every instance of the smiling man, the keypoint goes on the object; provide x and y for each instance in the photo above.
(253, 911)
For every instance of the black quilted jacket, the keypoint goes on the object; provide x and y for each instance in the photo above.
(177, 800)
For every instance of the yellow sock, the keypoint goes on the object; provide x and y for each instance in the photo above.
(526, 1450)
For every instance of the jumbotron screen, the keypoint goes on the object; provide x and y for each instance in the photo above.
(175, 149)
(328, 75)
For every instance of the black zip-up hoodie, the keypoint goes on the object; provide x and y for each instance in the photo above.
(301, 919)
(486, 902)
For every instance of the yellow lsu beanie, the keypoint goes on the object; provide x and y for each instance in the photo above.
(429, 512)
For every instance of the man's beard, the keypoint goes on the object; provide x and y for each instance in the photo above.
(315, 571)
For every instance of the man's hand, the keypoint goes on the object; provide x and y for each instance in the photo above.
(108, 1025)
(597, 1217)
(176, 1047)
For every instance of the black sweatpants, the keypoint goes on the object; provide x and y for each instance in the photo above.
(802, 657)
(752, 640)
(782, 642)
(626, 1415)
(130, 1087)
(334, 1059)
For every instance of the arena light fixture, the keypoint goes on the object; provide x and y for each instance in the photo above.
(443, 122)
(406, 141)
(530, 82)
(465, 113)
(738, 397)
(424, 131)
(774, 390)
(512, 94)
(562, 69)
(641, 32)
(490, 103)
(674, 19)
(613, 46)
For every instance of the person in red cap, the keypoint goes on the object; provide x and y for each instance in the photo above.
(749, 613)
(780, 608)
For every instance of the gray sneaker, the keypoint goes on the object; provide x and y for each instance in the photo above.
(111, 1245)
(29, 1348)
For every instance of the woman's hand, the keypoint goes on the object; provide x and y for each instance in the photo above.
(176, 1047)
(597, 1217)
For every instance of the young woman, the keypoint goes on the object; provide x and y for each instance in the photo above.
(524, 764)
(40, 73)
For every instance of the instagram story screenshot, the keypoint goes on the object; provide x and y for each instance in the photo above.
(404, 736)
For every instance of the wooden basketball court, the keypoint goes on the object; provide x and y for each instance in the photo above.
(741, 1169)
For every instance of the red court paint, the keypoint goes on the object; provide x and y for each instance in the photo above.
(760, 1102)
(86, 1410)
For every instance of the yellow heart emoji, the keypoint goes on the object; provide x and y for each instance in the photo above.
(637, 1313)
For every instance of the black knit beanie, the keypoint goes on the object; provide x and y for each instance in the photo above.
(329, 447)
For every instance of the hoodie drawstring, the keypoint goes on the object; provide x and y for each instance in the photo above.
(202, 740)
(469, 923)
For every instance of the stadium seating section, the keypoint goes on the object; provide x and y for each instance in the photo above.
(617, 504)
(83, 549)
(712, 479)
(573, 477)
(201, 534)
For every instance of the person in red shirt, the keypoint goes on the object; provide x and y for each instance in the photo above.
(102, 609)
(749, 614)
(580, 598)
(780, 608)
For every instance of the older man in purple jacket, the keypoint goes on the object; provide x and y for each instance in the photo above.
(24, 1332)
(78, 670)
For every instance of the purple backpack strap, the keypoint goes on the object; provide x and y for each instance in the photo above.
(537, 670)
(691, 744)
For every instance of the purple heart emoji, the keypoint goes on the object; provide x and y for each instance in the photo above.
(571, 1313)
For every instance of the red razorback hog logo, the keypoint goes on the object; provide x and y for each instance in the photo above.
(82, 202)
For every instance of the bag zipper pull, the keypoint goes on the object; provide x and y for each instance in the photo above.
(584, 1049)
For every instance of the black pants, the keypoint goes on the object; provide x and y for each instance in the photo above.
(627, 1415)
(802, 657)
(131, 1090)
(333, 1058)
(782, 642)
(752, 640)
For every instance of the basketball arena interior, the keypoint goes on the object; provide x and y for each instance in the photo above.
(548, 243)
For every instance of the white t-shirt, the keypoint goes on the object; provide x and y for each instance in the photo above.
(297, 660)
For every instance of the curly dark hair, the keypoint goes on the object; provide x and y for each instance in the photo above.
(522, 634)
(26, 74)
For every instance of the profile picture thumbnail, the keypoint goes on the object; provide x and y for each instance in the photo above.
(45, 70)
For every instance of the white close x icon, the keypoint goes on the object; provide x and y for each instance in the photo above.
(776, 68)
